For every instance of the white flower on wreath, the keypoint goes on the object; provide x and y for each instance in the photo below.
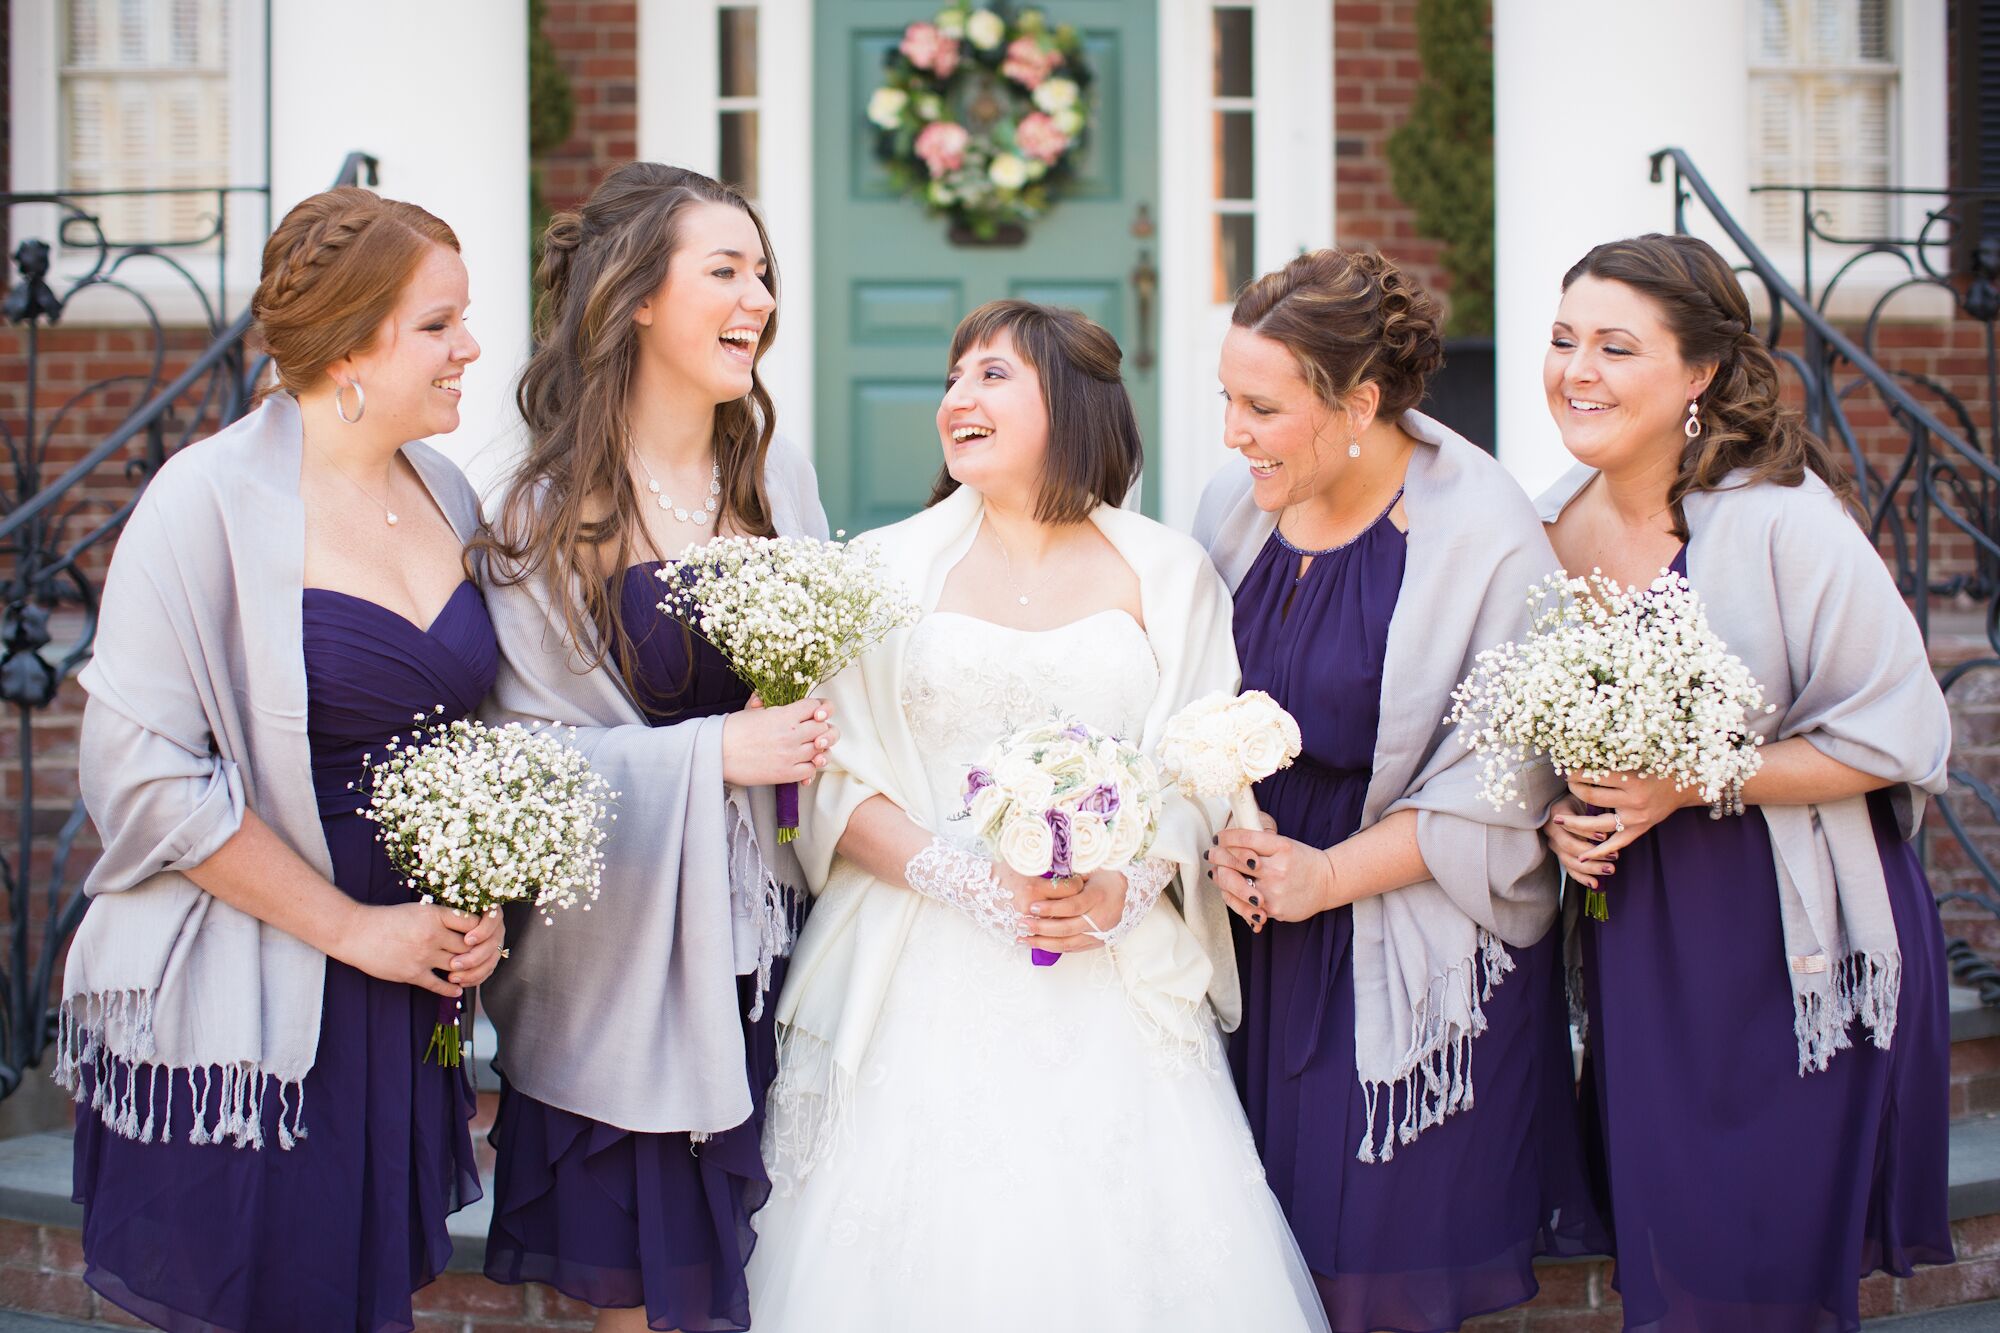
(1069, 120)
(885, 108)
(1057, 95)
(1007, 171)
(929, 107)
(986, 29)
(951, 22)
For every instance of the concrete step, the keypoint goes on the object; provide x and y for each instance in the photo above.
(1981, 1318)
(15, 1321)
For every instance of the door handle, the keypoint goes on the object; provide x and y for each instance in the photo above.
(1145, 283)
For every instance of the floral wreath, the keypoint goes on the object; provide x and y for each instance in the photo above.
(981, 116)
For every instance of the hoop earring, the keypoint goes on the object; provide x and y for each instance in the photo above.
(1691, 428)
(340, 408)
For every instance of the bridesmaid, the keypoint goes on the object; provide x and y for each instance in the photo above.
(636, 1043)
(1393, 916)
(1813, 1164)
(287, 594)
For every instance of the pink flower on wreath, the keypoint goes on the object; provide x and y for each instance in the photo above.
(941, 144)
(1038, 136)
(1028, 62)
(928, 49)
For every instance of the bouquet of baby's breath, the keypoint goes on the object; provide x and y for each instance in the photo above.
(1063, 799)
(1221, 745)
(1614, 680)
(477, 817)
(786, 613)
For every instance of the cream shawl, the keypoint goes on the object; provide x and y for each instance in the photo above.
(197, 710)
(1427, 956)
(847, 953)
(627, 1013)
(1796, 589)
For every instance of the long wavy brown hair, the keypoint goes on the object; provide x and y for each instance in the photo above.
(1745, 424)
(572, 495)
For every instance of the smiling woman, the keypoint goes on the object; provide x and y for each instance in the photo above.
(288, 593)
(628, 1170)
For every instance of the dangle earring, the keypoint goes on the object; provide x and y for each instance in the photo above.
(360, 405)
(1354, 447)
(1693, 426)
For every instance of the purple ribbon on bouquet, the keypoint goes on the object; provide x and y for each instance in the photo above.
(788, 811)
(1059, 868)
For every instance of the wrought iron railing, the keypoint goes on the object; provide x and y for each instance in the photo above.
(54, 531)
(1943, 475)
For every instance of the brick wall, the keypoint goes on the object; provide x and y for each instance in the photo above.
(1375, 73)
(598, 44)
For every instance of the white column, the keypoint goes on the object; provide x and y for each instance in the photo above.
(438, 92)
(1583, 93)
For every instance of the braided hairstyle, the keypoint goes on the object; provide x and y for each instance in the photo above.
(1746, 427)
(1349, 317)
(333, 271)
(572, 494)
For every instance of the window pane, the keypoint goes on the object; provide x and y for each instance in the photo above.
(1235, 158)
(1774, 29)
(1872, 30)
(1232, 52)
(739, 151)
(1235, 251)
(738, 46)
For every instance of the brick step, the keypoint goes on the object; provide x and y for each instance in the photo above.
(1975, 1055)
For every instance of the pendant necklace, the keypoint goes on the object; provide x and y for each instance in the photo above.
(1019, 595)
(703, 515)
(388, 514)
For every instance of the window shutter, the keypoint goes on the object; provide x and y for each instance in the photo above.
(1976, 122)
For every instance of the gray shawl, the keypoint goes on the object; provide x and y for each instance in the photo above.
(1428, 955)
(627, 1011)
(197, 710)
(1796, 589)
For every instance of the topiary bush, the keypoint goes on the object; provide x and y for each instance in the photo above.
(1441, 158)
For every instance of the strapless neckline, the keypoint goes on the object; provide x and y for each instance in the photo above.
(456, 595)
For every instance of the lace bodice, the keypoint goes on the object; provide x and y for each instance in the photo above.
(968, 682)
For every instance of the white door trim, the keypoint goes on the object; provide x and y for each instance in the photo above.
(1292, 55)
(1294, 146)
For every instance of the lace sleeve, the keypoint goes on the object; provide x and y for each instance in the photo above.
(1144, 882)
(964, 880)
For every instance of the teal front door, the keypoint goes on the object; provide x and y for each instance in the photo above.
(890, 286)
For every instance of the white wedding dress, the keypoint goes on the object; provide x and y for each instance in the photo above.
(1019, 1154)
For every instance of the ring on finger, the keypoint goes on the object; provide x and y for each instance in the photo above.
(1617, 822)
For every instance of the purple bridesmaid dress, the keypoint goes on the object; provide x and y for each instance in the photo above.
(1744, 1196)
(621, 1219)
(1450, 1226)
(337, 1232)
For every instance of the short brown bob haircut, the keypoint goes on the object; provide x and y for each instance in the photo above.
(1094, 450)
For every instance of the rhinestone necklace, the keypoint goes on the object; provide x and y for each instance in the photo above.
(704, 515)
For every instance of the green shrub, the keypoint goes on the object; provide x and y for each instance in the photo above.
(1441, 158)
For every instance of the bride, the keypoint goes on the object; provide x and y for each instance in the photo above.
(957, 1139)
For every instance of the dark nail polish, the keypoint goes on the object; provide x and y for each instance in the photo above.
(1253, 863)
(1255, 901)
(1209, 873)
(1214, 842)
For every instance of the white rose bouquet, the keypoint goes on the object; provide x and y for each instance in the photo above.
(1063, 799)
(786, 613)
(1222, 745)
(1614, 680)
(476, 817)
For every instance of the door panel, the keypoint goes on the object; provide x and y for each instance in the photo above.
(891, 287)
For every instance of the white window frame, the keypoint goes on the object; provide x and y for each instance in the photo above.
(1292, 101)
(35, 148)
(1919, 158)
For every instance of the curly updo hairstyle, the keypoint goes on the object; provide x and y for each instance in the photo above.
(333, 271)
(1094, 451)
(1746, 426)
(1349, 317)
